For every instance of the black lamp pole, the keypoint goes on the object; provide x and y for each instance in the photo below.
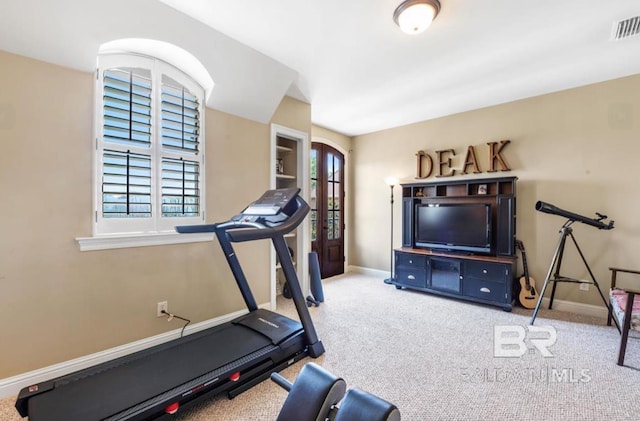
(390, 279)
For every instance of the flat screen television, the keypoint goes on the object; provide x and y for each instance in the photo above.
(457, 227)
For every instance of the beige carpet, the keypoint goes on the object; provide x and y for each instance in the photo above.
(434, 358)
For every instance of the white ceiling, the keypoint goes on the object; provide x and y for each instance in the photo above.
(347, 58)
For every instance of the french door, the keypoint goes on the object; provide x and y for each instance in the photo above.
(327, 208)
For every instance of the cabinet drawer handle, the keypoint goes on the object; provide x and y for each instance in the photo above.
(411, 277)
(485, 289)
(484, 271)
(410, 261)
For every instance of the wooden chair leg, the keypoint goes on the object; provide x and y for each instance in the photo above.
(625, 329)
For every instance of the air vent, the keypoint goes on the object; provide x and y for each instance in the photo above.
(626, 28)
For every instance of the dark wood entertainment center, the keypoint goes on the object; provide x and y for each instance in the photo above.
(485, 277)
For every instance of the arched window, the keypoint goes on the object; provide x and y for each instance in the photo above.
(149, 159)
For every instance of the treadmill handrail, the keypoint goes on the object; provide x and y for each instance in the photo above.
(194, 229)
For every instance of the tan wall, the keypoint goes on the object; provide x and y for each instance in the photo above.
(57, 303)
(577, 149)
(293, 114)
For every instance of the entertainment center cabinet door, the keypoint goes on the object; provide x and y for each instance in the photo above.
(486, 281)
(411, 269)
(445, 275)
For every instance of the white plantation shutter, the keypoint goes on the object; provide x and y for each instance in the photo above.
(180, 193)
(149, 153)
(126, 185)
(181, 136)
(127, 108)
(180, 119)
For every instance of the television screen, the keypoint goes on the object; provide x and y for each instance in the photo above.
(464, 227)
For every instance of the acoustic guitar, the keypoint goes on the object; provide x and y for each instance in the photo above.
(528, 297)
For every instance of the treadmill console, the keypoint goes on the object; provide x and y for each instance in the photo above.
(272, 202)
(273, 207)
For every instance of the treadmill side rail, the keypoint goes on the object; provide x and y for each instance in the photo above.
(29, 392)
(274, 326)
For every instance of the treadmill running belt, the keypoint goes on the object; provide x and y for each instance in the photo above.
(116, 388)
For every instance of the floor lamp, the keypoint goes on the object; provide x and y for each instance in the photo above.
(391, 182)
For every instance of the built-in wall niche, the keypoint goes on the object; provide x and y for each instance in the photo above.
(286, 163)
(290, 160)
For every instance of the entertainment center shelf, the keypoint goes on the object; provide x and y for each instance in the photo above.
(458, 239)
(490, 259)
(459, 189)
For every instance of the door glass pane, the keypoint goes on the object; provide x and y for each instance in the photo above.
(338, 165)
(330, 167)
(330, 196)
(314, 225)
(336, 226)
(313, 201)
(314, 164)
(330, 223)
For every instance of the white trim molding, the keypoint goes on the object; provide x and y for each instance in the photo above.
(577, 308)
(560, 305)
(118, 241)
(382, 274)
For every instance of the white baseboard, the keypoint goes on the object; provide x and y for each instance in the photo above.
(382, 274)
(12, 385)
(560, 305)
(577, 308)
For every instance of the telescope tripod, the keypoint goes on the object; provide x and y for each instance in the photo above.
(556, 262)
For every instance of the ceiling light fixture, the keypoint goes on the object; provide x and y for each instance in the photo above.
(414, 16)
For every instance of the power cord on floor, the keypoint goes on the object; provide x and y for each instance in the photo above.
(173, 316)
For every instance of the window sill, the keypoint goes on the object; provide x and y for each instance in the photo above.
(118, 241)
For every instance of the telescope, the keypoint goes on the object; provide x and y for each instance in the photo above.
(554, 270)
(594, 222)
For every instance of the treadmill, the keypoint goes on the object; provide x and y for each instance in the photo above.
(228, 358)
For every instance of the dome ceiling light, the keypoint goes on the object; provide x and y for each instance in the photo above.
(415, 16)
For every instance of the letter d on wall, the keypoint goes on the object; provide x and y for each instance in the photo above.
(422, 158)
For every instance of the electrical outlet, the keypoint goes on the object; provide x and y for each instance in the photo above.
(162, 306)
(584, 287)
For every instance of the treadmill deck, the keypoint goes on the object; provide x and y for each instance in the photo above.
(169, 370)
